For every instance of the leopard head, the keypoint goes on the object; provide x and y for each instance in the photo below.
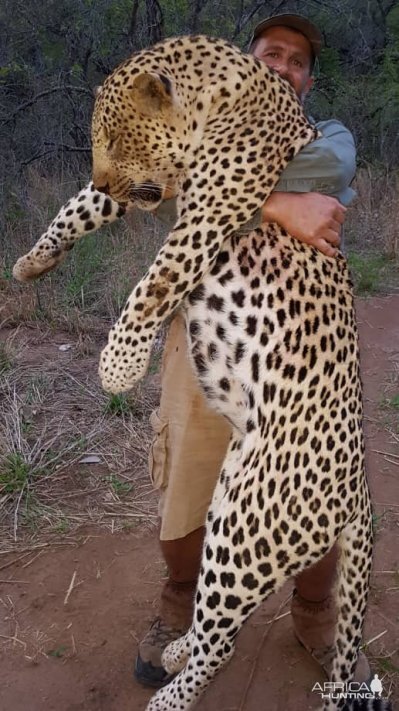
(137, 137)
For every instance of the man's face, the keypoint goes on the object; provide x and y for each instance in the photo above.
(290, 54)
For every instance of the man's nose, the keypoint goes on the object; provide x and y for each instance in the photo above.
(282, 70)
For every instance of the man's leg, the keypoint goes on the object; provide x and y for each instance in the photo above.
(186, 456)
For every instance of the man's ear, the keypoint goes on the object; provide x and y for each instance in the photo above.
(307, 88)
(153, 93)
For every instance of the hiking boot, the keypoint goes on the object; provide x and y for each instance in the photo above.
(148, 668)
(314, 627)
(176, 611)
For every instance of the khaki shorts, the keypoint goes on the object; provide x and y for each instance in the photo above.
(189, 444)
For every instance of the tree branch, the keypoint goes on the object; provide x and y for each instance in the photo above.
(243, 20)
(55, 149)
(41, 95)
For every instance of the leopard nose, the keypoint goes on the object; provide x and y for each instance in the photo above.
(103, 188)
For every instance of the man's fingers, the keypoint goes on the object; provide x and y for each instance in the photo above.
(335, 227)
(326, 248)
(339, 214)
(332, 236)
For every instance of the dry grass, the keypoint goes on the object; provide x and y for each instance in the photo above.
(99, 273)
(101, 270)
(30, 640)
(373, 221)
(52, 410)
(69, 455)
(389, 409)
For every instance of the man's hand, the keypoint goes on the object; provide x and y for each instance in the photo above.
(312, 218)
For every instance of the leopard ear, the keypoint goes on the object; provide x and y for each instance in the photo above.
(153, 93)
(97, 90)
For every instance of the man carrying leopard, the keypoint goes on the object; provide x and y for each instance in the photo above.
(263, 36)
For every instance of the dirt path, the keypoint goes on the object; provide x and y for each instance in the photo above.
(73, 651)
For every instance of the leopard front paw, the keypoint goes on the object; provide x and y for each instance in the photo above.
(122, 362)
(37, 263)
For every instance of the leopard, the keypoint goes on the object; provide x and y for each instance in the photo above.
(271, 328)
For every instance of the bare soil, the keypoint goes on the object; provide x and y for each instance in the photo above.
(71, 612)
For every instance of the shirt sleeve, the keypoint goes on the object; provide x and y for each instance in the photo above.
(326, 165)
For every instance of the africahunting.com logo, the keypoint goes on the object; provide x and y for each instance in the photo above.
(350, 690)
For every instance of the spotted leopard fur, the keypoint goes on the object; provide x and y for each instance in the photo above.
(271, 329)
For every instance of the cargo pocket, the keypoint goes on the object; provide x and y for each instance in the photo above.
(158, 455)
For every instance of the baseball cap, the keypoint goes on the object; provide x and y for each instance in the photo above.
(296, 22)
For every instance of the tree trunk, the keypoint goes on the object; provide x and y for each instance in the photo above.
(192, 24)
(155, 21)
(133, 23)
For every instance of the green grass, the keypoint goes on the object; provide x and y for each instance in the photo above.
(62, 526)
(389, 406)
(386, 665)
(38, 387)
(14, 474)
(119, 404)
(371, 273)
(84, 269)
(6, 272)
(393, 402)
(119, 486)
(58, 653)
(5, 358)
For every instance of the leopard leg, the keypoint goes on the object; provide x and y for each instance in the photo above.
(84, 213)
(354, 568)
(237, 573)
(177, 652)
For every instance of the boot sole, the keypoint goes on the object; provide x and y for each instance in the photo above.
(146, 675)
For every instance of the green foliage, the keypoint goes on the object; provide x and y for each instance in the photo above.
(15, 211)
(391, 403)
(393, 22)
(377, 520)
(62, 526)
(120, 487)
(14, 473)
(6, 272)
(368, 272)
(57, 653)
(84, 270)
(53, 50)
(118, 404)
(386, 665)
(394, 402)
(75, 44)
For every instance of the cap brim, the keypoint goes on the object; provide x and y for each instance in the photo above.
(296, 22)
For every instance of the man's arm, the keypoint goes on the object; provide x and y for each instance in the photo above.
(310, 196)
(309, 200)
(326, 165)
